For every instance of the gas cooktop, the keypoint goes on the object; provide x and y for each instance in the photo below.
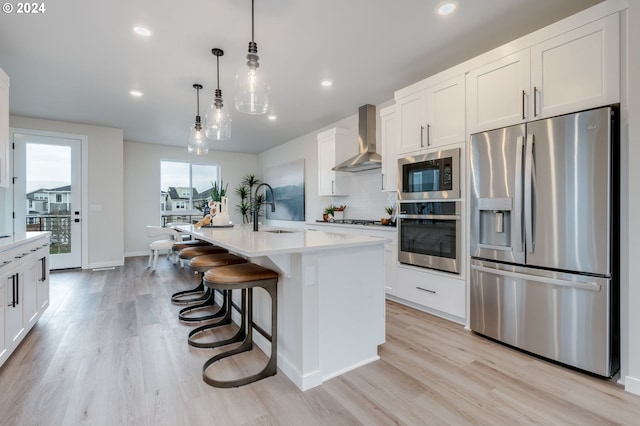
(353, 222)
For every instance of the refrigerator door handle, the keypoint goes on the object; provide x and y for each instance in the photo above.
(528, 194)
(518, 243)
(536, 278)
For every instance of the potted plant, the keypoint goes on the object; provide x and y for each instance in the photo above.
(339, 211)
(329, 211)
(387, 220)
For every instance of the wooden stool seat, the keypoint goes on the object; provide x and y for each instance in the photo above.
(191, 252)
(190, 243)
(202, 264)
(239, 274)
(244, 277)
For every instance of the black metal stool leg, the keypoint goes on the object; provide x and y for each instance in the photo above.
(208, 303)
(226, 320)
(271, 368)
(177, 298)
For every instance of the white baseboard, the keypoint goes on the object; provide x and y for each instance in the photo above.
(632, 384)
(110, 264)
(137, 253)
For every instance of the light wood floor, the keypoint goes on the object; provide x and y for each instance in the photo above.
(110, 351)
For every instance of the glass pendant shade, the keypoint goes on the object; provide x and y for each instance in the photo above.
(218, 122)
(252, 90)
(197, 142)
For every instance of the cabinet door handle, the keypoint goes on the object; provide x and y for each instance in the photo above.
(13, 290)
(428, 134)
(382, 181)
(332, 182)
(44, 270)
(17, 289)
(421, 136)
(427, 290)
(524, 95)
(535, 101)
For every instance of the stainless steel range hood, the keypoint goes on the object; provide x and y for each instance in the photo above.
(368, 158)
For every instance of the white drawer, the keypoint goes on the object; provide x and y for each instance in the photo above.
(432, 290)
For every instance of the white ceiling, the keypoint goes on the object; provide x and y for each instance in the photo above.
(78, 60)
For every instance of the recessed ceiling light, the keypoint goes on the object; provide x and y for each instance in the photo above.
(446, 8)
(142, 31)
(272, 117)
(136, 93)
(326, 83)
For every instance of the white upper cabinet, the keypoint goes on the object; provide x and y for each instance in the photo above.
(498, 92)
(576, 70)
(412, 114)
(333, 148)
(389, 137)
(431, 117)
(4, 129)
(445, 113)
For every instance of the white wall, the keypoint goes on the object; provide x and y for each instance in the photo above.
(631, 275)
(365, 200)
(142, 185)
(105, 186)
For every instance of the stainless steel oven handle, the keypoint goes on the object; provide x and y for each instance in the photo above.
(430, 216)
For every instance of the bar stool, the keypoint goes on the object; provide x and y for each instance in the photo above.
(245, 277)
(202, 264)
(187, 254)
(176, 247)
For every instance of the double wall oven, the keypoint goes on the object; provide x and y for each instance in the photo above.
(429, 223)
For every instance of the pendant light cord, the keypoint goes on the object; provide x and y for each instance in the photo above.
(218, 71)
(252, 28)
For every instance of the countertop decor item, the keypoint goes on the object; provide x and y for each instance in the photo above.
(197, 142)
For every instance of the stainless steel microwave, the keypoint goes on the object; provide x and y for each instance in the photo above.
(435, 175)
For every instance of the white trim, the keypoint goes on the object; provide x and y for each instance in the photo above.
(632, 385)
(97, 265)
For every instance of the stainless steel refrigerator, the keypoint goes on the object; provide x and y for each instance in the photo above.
(544, 238)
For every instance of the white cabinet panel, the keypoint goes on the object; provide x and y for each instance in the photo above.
(333, 148)
(498, 92)
(446, 113)
(412, 114)
(431, 117)
(577, 70)
(433, 291)
(389, 136)
(24, 295)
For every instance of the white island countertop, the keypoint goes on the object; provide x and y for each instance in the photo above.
(330, 296)
(268, 241)
(12, 241)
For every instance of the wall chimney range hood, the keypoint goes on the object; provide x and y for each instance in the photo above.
(368, 158)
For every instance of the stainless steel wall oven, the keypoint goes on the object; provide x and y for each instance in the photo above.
(429, 235)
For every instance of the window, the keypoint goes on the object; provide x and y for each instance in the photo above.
(185, 187)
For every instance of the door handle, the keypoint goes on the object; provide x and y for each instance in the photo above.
(529, 172)
(428, 135)
(535, 101)
(421, 136)
(519, 243)
(545, 280)
(76, 220)
(524, 95)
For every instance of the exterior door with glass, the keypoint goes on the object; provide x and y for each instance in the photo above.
(48, 191)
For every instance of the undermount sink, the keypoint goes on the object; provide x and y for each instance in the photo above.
(279, 231)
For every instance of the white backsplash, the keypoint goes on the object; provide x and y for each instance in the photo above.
(366, 199)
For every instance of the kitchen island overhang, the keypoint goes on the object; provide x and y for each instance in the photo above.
(331, 304)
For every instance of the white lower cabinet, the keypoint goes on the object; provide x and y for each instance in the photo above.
(436, 292)
(24, 291)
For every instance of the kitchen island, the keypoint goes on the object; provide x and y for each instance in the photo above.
(331, 313)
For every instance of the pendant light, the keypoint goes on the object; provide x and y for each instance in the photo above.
(252, 91)
(197, 143)
(218, 121)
